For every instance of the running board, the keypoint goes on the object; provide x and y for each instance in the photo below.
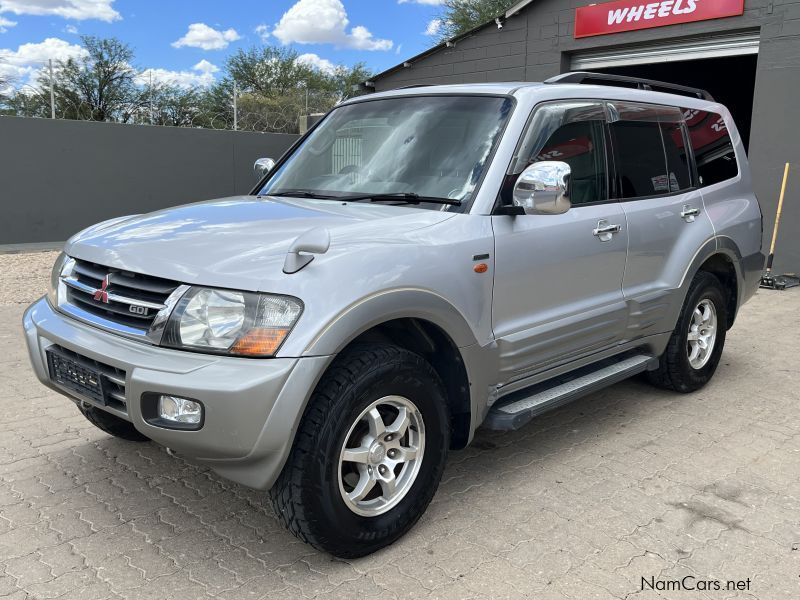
(518, 408)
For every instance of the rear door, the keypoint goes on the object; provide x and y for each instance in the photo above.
(558, 278)
(667, 221)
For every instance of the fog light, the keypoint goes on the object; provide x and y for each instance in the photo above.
(180, 410)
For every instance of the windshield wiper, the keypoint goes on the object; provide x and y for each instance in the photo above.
(301, 194)
(407, 197)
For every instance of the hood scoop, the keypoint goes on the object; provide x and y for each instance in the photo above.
(300, 254)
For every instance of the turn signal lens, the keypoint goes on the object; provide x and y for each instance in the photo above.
(260, 342)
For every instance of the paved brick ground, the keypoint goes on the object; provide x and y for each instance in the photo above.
(582, 504)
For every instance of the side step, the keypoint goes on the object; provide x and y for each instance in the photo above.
(515, 410)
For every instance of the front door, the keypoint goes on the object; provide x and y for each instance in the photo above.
(558, 278)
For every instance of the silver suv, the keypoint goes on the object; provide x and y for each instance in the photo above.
(422, 263)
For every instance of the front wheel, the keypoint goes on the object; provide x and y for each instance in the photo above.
(695, 348)
(112, 424)
(368, 455)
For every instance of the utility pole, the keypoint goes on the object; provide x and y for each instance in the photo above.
(152, 118)
(235, 108)
(52, 92)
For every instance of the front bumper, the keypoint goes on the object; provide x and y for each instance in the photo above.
(252, 406)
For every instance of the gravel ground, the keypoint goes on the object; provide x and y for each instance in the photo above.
(23, 277)
(626, 488)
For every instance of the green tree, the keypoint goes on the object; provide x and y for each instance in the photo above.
(99, 86)
(346, 80)
(460, 16)
(269, 71)
(175, 106)
(275, 88)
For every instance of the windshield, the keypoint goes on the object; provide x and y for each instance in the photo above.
(430, 146)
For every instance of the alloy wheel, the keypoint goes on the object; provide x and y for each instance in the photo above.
(702, 334)
(381, 456)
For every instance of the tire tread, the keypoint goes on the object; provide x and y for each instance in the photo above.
(287, 492)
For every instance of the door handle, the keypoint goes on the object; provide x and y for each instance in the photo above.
(605, 231)
(689, 213)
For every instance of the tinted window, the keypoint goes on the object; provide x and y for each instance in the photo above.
(677, 158)
(641, 165)
(570, 132)
(712, 145)
(651, 152)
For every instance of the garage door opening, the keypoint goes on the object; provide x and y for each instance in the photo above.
(731, 80)
(723, 65)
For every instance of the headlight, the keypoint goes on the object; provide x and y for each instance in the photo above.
(230, 322)
(55, 275)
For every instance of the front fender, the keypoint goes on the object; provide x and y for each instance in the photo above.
(385, 306)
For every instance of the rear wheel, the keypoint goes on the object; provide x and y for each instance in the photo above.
(368, 455)
(112, 424)
(696, 345)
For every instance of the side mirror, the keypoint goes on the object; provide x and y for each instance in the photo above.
(263, 166)
(543, 188)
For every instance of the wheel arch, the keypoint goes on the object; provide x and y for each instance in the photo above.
(724, 262)
(424, 323)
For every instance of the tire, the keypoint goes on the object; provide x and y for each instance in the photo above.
(309, 495)
(676, 370)
(113, 425)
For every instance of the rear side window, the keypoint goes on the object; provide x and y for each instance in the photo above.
(650, 149)
(712, 146)
(678, 167)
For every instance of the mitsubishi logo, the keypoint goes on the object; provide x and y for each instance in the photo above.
(101, 293)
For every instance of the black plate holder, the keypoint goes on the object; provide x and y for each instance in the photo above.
(76, 375)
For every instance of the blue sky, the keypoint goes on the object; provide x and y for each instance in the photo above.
(186, 41)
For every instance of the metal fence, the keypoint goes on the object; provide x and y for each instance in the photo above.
(230, 108)
(247, 114)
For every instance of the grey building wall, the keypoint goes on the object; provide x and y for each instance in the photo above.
(57, 177)
(538, 42)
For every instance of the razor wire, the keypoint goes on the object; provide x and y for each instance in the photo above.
(274, 114)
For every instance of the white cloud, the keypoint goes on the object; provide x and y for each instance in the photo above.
(317, 62)
(6, 24)
(434, 27)
(325, 22)
(80, 10)
(428, 2)
(71, 29)
(263, 32)
(202, 36)
(202, 75)
(22, 64)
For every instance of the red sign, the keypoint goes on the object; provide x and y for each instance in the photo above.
(630, 15)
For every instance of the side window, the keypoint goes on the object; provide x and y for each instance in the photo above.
(678, 165)
(641, 160)
(712, 146)
(574, 133)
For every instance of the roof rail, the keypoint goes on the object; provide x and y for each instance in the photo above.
(642, 84)
(416, 85)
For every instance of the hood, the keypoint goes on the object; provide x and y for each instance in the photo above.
(237, 242)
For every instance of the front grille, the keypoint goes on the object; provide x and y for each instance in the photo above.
(88, 378)
(129, 299)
